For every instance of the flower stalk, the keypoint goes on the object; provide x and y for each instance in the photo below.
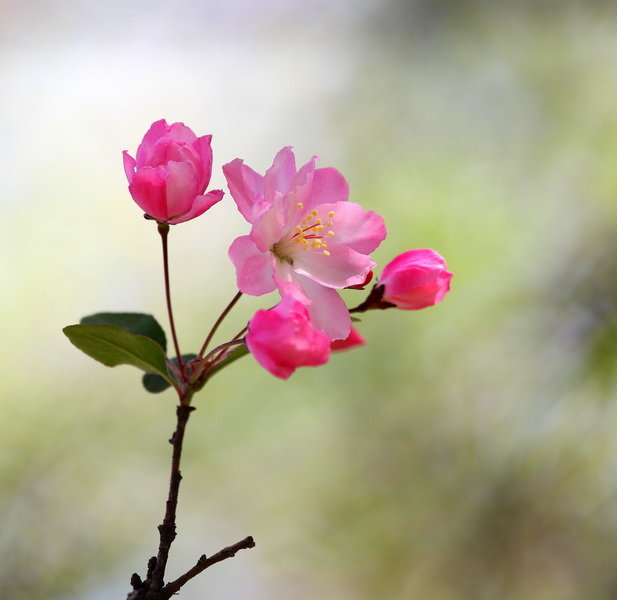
(217, 323)
(163, 229)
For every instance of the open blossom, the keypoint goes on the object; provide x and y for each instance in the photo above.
(306, 240)
(170, 173)
(415, 279)
(282, 339)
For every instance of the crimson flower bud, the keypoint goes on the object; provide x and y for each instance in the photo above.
(415, 279)
(283, 338)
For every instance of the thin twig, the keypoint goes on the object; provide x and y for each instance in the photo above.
(167, 529)
(220, 349)
(218, 322)
(223, 347)
(204, 562)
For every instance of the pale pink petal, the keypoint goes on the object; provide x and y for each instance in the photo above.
(328, 186)
(279, 176)
(200, 205)
(148, 190)
(270, 227)
(299, 197)
(254, 269)
(359, 229)
(129, 165)
(246, 188)
(329, 313)
(340, 268)
(181, 188)
(287, 283)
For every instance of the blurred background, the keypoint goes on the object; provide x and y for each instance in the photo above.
(469, 451)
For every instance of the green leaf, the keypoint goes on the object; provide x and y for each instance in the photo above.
(138, 323)
(155, 384)
(113, 345)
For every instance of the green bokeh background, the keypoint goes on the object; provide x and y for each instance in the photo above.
(468, 452)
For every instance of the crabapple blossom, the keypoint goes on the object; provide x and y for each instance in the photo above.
(415, 279)
(170, 173)
(282, 338)
(306, 239)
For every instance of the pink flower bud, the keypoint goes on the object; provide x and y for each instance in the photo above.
(170, 173)
(415, 279)
(283, 338)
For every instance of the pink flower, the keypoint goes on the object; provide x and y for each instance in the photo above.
(306, 240)
(283, 338)
(171, 172)
(415, 279)
(351, 341)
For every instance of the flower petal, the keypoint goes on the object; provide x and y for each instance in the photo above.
(179, 132)
(359, 229)
(351, 341)
(148, 190)
(254, 269)
(269, 229)
(340, 268)
(157, 130)
(129, 165)
(430, 293)
(203, 148)
(181, 188)
(279, 176)
(328, 186)
(200, 205)
(246, 188)
(299, 197)
(329, 313)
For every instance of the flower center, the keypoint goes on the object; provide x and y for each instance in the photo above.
(309, 234)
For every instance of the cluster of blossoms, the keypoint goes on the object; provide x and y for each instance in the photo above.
(306, 241)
